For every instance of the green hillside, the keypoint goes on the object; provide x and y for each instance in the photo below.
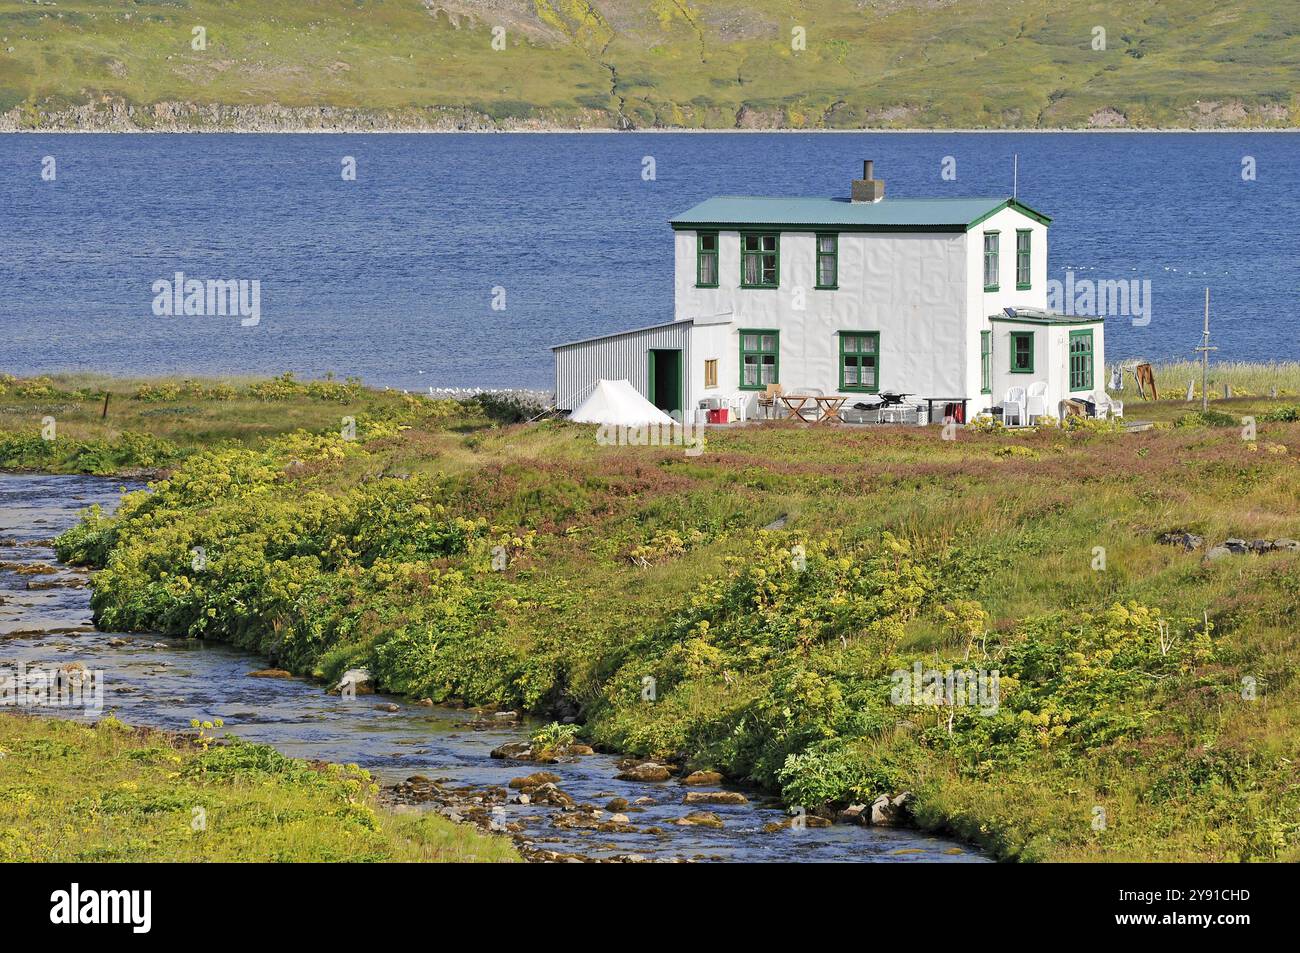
(273, 64)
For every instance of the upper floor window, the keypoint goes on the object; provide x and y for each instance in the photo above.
(828, 261)
(760, 260)
(706, 259)
(1024, 239)
(991, 261)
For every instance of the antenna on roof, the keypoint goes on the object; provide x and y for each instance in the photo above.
(1015, 175)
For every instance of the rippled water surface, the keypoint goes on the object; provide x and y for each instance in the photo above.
(393, 276)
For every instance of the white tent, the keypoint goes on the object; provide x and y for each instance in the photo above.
(618, 403)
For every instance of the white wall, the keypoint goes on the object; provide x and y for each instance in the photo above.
(1051, 360)
(911, 287)
(983, 303)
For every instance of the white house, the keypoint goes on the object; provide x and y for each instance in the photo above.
(939, 299)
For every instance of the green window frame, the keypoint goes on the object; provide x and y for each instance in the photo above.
(760, 259)
(828, 261)
(1024, 249)
(1081, 361)
(706, 259)
(1022, 352)
(760, 358)
(986, 362)
(860, 361)
(992, 261)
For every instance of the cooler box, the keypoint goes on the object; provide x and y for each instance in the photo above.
(719, 415)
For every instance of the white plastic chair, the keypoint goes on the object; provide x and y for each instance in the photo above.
(1036, 405)
(1013, 405)
(1106, 405)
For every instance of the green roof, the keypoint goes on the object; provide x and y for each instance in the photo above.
(1039, 316)
(946, 215)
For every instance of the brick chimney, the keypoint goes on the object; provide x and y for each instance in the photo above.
(867, 189)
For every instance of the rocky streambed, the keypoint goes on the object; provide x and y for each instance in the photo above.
(563, 804)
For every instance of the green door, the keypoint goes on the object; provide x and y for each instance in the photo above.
(666, 380)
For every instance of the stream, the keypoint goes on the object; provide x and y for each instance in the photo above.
(45, 620)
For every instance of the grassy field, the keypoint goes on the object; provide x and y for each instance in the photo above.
(655, 63)
(106, 793)
(1148, 704)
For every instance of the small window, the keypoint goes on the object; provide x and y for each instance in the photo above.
(1024, 239)
(1022, 352)
(828, 261)
(1080, 360)
(986, 362)
(759, 359)
(706, 260)
(860, 361)
(991, 261)
(760, 260)
(711, 373)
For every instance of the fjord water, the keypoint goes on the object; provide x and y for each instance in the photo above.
(45, 622)
(393, 276)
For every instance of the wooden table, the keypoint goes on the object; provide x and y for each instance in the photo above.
(795, 403)
(830, 408)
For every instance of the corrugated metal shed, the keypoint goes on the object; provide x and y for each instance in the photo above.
(957, 214)
(625, 355)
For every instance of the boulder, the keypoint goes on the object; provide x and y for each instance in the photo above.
(358, 679)
(270, 673)
(388, 707)
(550, 795)
(1217, 552)
(699, 819)
(645, 771)
(619, 819)
(535, 780)
(1188, 541)
(890, 812)
(702, 777)
(714, 797)
(853, 814)
(617, 805)
(1236, 546)
(515, 750)
(1286, 545)
(1260, 545)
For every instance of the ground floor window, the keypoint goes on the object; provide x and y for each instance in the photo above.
(1022, 352)
(860, 361)
(760, 359)
(986, 362)
(1080, 360)
(711, 373)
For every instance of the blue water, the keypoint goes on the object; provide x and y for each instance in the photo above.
(391, 277)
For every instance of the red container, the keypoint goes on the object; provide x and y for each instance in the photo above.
(720, 415)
